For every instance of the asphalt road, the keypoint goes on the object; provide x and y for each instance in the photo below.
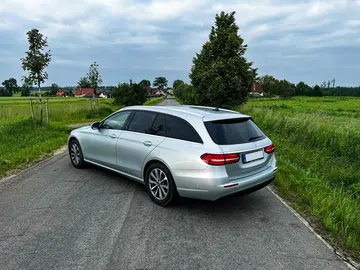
(53, 216)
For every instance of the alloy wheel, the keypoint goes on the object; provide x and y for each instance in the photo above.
(158, 184)
(75, 154)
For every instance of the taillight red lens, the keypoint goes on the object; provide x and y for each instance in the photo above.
(231, 158)
(270, 149)
(220, 159)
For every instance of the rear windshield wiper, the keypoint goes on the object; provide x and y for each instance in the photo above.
(254, 138)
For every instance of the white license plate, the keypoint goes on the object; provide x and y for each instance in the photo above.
(253, 156)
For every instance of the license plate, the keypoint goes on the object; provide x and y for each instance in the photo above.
(253, 156)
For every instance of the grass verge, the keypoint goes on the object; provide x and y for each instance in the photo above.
(318, 169)
(154, 101)
(23, 142)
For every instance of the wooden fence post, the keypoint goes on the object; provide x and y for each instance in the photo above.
(90, 105)
(97, 105)
(32, 110)
(41, 110)
(47, 111)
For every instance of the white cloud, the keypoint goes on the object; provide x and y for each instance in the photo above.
(181, 26)
(353, 23)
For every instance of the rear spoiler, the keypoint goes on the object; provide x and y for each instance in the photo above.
(224, 117)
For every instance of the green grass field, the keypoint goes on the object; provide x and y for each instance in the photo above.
(22, 142)
(318, 150)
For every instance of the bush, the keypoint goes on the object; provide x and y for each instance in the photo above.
(130, 94)
(185, 93)
(4, 93)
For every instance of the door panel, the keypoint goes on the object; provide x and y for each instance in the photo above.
(132, 149)
(101, 143)
(145, 132)
(103, 147)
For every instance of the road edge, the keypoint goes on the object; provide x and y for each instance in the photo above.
(307, 224)
(8, 180)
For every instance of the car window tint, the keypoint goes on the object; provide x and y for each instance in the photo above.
(234, 131)
(178, 128)
(142, 121)
(158, 127)
(116, 121)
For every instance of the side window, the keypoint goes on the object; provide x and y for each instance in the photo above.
(158, 127)
(116, 121)
(178, 128)
(142, 121)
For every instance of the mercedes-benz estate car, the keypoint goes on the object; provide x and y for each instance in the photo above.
(188, 151)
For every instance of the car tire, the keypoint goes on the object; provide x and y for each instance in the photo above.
(76, 155)
(160, 184)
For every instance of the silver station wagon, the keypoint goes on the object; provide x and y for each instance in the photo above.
(188, 151)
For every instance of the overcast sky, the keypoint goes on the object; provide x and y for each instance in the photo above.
(289, 39)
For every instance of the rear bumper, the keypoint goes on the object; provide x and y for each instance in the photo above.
(215, 186)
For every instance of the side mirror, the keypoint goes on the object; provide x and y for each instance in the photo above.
(95, 125)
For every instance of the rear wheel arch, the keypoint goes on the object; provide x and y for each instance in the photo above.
(172, 193)
(150, 162)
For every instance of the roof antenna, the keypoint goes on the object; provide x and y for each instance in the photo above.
(216, 109)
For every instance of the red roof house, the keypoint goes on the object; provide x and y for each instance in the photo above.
(83, 92)
(60, 93)
(257, 89)
(151, 91)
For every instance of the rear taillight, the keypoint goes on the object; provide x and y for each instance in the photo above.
(220, 159)
(270, 149)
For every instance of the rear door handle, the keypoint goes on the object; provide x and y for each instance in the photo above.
(147, 143)
(113, 136)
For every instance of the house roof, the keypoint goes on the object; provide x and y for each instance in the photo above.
(149, 89)
(257, 88)
(82, 91)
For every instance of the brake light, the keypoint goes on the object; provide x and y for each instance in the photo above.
(220, 159)
(270, 149)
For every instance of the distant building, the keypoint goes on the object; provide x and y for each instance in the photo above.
(256, 90)
(151, 91)
(105, 93)
(84, 92)
(60, 93)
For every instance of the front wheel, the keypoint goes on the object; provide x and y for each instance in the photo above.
(76, 155)
(160, 184)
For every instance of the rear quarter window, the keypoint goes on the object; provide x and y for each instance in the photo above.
(234, 131)
(180, 129)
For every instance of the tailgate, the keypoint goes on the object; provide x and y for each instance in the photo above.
(241, 136)
(253, 159)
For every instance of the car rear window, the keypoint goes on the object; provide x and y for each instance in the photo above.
(234, 131)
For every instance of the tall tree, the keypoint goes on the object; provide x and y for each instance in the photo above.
(302, 89)
(160, 83)
(323, 84)
(220, 73)
(144, 83)
(269, 83)
(317, 91)
(53, 89)
(84, 83)
(11, 86)
(36, 59)
(94, 76)
(333, 82)
(177, 83)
